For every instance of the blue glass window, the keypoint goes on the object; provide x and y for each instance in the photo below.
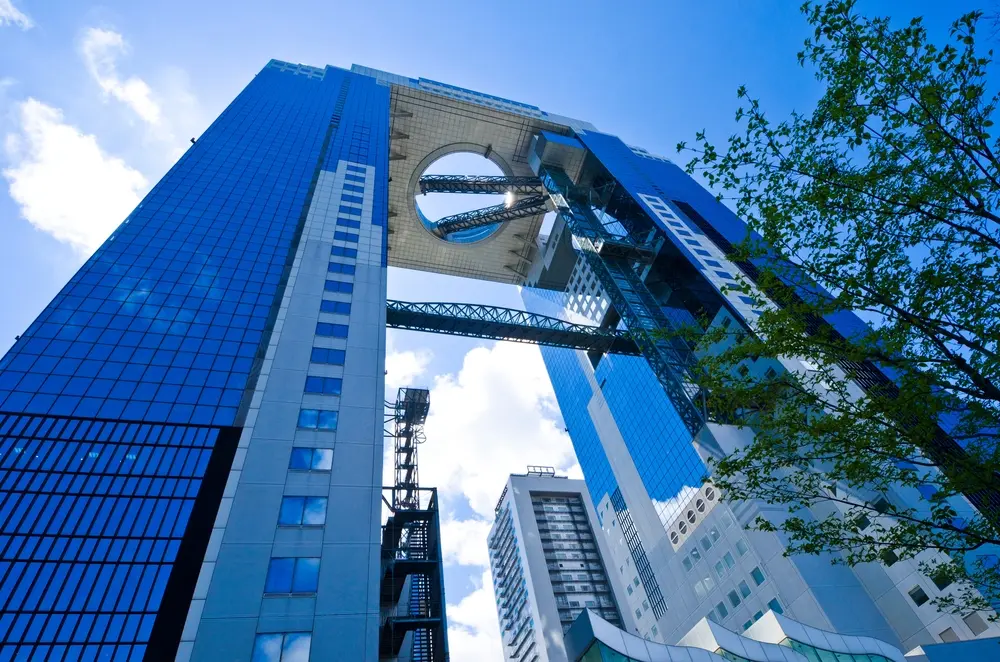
(346, 236)
(331, 330)
(348, 223)
(343, 251)
(337, 307)
(352, 199)
(355, 168)
(341, 268)
(311, 459)
(746, 300)
(353, 188)
(926, 490)
(318, 419)
(323, 385)
(354, 178)
(713, 263)
(302, 511)
(724, 274)
(292, 575)
(702, 251)
(324, 355)
(339, 286)
(346, 209)
(288, 647)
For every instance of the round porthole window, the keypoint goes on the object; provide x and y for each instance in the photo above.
(674, 538)
(432, 207)
(691, 516)
(682, 527)
(710, 493)
(700, 505)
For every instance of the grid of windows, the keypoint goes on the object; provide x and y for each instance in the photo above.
(311, 459)
(343, 251)
(323, 385)
(164, 322)
(336, 307)
(318, 419)
(284, 647)
(324, 355)
(341, 268)
(338, 286)
(302, 511)
(92, 514)
(291, 576)
(331, 330)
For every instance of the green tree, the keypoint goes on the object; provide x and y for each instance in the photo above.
(886, 196)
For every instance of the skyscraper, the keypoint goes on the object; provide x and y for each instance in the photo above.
(191, 431)
(548, 566)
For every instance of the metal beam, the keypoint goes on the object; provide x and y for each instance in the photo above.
(480, 184)
(477, 218)
(613, 259)
(464, 319)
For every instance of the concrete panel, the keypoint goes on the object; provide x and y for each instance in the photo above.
(254, 513)
(225, 640)
(343, 580)
(238, 581)
(353, 508)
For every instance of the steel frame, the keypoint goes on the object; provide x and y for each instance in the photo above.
(480, 184)
(478, 321)
(477, 218)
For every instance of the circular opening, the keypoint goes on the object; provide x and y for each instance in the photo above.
(691, 516)
(432, 207)
(700, 505)
(682, 527)
(710, 494)
(674, 538)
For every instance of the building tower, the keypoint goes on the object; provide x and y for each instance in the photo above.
(191, 431)
(548, 565)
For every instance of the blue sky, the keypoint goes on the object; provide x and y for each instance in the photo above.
(98, 99)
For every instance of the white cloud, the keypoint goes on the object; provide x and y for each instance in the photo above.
(669, 509)
(11, 15)
(403, 368)
(101, 49)
(493, 418)
(167, 108)
(473, 628)
(65, 184)
(463, 542)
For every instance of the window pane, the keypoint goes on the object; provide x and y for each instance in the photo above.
(730, 561)
(734, 598)
(744, 589)
(757, 575)
(721, 608)
(306, 575)
(315, 511)
(308, 418)
(775, 606)
(296, 648)
(322, 459)
(327, 420)
(291, 510)
(741, 547)
(301, 459)
(313, 385)
(267, 648)
(279, 576)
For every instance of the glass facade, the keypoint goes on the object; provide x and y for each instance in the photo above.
(121, 405)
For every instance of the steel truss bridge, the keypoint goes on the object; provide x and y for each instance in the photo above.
(495, 323)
